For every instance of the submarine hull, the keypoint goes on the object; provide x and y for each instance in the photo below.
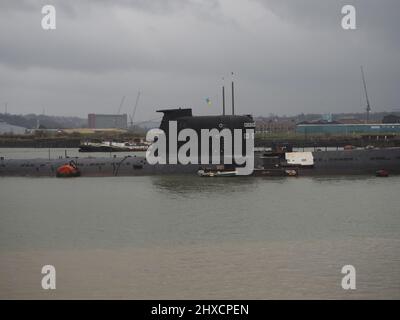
(351, 162)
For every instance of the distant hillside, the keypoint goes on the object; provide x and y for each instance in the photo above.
(30, 121)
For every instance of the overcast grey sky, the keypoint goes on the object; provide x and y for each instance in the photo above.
(289, 56)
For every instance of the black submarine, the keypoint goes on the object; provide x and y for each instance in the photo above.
(279, 162)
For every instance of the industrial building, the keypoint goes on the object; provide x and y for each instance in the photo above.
(6, 128)
(345, 129)
(277, 125)
(107, 121)
(391, 118)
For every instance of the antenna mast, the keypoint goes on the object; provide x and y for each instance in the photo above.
(368, 108)
(233, 96)
(223, 97)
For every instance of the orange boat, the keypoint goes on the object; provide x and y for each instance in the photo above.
(68, 170)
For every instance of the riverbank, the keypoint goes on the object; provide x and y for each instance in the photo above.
(268, 141)
(33, 142)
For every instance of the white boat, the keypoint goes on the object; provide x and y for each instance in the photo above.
(111, 146)
(211, 173)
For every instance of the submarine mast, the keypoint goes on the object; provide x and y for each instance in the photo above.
(223, 97)
(233, 96)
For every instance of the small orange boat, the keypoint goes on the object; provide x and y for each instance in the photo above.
(68, 170)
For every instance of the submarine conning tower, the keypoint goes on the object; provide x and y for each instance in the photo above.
(186, 120)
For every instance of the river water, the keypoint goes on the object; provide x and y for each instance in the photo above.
(183, 237)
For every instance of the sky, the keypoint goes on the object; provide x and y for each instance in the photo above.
(288, 56)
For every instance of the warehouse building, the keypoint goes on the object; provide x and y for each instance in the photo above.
(6, 128)
(107, 121)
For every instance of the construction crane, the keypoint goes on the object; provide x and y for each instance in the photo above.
(120, 105)
(368, 108)
(132, 117)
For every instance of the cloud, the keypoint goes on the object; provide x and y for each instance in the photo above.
(288, 56)
(377, 20)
